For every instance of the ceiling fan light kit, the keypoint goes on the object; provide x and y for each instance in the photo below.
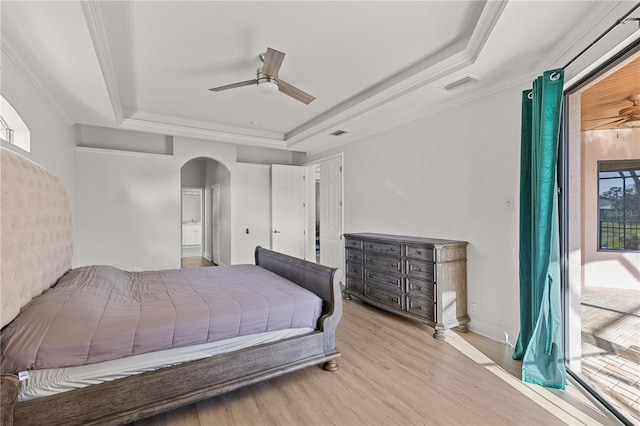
(267, 79)
(267, 84)
(633, 121)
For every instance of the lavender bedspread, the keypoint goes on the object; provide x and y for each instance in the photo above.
(99, 313)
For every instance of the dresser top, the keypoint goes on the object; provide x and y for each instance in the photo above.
(405, 239)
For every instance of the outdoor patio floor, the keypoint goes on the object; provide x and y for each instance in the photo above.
(611, 344)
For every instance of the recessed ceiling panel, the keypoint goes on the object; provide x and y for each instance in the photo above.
(334, 51)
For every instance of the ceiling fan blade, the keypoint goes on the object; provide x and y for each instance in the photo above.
(294, 92)
(622, 120)
(234, 85)
(608, 118)
(272, 62)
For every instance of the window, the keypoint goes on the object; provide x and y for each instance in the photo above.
(12, 128)
(619, 205)
(6, 132)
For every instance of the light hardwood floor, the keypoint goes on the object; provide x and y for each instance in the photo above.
(392, 372)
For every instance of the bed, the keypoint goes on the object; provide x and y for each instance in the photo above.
(148, 341)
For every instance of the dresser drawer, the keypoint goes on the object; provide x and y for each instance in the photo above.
(350, 242)
(420, 288)
(354, 255)
(382, 296)
(388, 279)
(422, 308)
(355, 284)
(379, 261)
(387, 248)
(354, 270)
(420, 269)
(420, 252)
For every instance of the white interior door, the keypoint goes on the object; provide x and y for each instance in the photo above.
(215, 224)
(288, 218)
(331, 212)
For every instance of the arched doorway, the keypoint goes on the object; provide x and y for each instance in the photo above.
(205, 213)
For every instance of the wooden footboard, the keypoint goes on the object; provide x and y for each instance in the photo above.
(313, 277)
(143, 395)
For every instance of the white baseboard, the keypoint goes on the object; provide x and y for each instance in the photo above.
(207, 256)
(492, 332)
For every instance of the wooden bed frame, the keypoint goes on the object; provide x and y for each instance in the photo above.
(143, 395)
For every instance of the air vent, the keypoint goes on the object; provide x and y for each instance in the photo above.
(459, 84)
(338, 133)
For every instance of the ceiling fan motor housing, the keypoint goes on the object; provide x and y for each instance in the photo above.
(266, 84)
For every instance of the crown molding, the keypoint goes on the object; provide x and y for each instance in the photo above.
(12, 54)
(484, 27)
(95, 24)
(255, 132)
(451, 59)
(199, 133)
(587, 23)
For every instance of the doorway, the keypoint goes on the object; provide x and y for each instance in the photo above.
(192, 222)
(326, 216)
(206, 213)
(601, 235)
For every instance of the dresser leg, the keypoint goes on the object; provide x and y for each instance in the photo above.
(462, 328)
(331, 365)
(440, 333)
(346, 296)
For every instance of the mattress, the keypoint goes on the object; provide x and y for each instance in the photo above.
(100, 313)
(47, 382)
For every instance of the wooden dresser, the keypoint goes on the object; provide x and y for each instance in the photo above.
(420, 278)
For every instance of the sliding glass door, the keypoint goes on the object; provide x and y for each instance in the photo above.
(600, 215)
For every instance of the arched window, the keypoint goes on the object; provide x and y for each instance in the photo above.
(12, 128)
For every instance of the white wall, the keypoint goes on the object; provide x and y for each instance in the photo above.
(129, 205)
(602, 268)
(52, 136)
(128, 210)
(449, 176)
(256, 155)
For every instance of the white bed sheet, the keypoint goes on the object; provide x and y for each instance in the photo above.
(51, 381)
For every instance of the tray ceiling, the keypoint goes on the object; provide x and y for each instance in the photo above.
(148, 65)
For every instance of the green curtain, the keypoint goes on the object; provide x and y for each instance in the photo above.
(539, 344)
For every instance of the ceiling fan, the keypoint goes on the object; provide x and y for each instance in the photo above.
(627, 117)
(268, 81)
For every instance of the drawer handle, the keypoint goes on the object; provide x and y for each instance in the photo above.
(420, 308)
(393, 249)
(419, 251)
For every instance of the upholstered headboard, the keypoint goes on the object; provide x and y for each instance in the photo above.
(35, 232)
